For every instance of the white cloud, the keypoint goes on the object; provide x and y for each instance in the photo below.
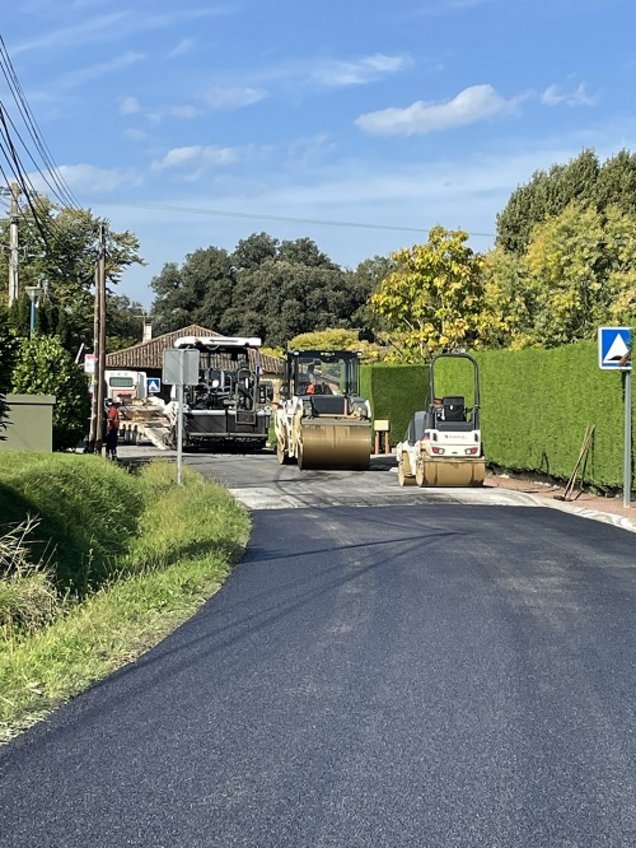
(200, 157)
(89, 178)
(135, 135)
(185, 111)
(183, 47)
(73, 35)
(471, 105)
(554, 96)
(129, 106)
(100, 69)
(115, 27)
(338, 74)
(221, 97)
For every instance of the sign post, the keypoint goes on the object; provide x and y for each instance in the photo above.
(615, 354)
(180, 368)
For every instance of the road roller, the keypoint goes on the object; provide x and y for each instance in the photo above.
(442, 446)
(321, 421)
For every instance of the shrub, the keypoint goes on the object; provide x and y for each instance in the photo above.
(44, 367)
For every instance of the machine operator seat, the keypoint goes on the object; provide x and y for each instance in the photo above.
(453, 408)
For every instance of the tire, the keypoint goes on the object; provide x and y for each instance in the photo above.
(403, 480)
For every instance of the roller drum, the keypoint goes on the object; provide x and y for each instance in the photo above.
(450, 472)
(335, 444)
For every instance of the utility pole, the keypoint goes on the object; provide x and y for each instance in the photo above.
(96, 436)
(13, 244)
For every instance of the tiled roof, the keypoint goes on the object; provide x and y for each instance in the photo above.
(149, 355)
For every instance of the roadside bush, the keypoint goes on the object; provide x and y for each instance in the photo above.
(43, 366)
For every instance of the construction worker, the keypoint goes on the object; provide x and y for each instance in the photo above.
(112, 427)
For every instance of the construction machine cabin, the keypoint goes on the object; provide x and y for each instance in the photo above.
(322, 422)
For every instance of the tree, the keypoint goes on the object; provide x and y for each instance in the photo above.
(583, 180)
(8, 347)
(582, 274)
(124, 322)
(433, 298)
(507, 316)
(336, 338)
(43, 366)
(200, 291)
(62, 252)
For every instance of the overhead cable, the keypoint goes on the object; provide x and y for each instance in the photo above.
(265, 217)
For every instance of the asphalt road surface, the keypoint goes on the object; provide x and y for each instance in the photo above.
(437, 674)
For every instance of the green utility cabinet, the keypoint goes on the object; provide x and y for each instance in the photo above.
(29, 424)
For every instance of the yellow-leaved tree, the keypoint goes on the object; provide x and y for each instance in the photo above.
(581, 273)
(433, 298)
(336, 338)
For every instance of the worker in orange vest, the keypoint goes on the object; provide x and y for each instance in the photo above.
(112, 427)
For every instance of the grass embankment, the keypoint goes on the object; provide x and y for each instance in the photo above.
(116, 562)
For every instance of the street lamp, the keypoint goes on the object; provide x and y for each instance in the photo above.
(34, 292)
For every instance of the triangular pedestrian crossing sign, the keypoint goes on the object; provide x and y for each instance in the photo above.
(614, 348)
(618, 350)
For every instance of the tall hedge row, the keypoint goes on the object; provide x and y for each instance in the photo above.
(395, 392)
(535, 407)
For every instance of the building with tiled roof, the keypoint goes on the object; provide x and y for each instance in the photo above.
(148, 355)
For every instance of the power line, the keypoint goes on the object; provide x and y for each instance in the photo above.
(15, 87)
(278, 218)
(21, 177)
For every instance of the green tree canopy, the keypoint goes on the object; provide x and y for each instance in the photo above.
(43, 366)
(583, 180)
(578, 273)
(265, 287)
(61, 253)
(433, 298)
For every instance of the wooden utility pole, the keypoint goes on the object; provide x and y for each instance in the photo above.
(13, 244)
(96, 435)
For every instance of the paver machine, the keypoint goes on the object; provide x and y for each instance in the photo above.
(322, 422)
(229, 407)
(443, 446)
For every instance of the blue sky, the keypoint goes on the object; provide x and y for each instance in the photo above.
(392, 114)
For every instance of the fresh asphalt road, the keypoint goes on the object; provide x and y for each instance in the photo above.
(429, 674)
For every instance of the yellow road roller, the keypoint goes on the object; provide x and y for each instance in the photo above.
(443, 446)
(322, 422)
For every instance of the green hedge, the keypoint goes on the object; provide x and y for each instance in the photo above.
(535, 407)
(395, 392)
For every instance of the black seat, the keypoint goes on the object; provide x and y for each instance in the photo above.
(454, 409)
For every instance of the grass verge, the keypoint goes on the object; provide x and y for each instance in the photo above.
(187, 539)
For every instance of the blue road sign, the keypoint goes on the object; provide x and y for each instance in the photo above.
(615, 348)
(153, 385)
